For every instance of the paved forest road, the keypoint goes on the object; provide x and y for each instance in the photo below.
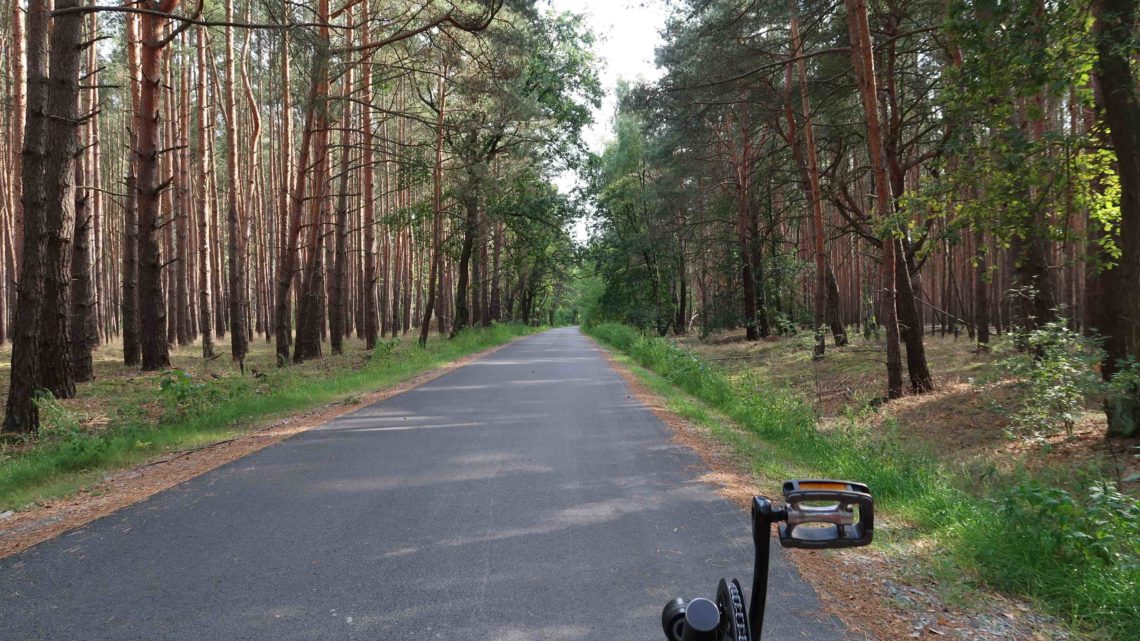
(524, 497)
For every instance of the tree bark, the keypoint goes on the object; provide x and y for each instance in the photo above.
(864, 63)
(236, 225)
(152, 304)
(286, 272)
(21, 415)
(368, 303)
(815, 197)
(981, 291)
(1119, 311)
(182, 209)
(437, 206)
(62, 140)
(83, 328)
(16, 138)
(132, 347)
(204, 158)
(338, 302)
(470, 223)
(834, 314)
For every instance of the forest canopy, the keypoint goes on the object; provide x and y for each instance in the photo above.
(879, 167)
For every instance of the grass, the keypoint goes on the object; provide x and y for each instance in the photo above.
(124, 418)
(1073, 549)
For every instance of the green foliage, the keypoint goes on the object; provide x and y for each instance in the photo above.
(56, 421)
(1057, 370)
(1078, 553)
(183, 395)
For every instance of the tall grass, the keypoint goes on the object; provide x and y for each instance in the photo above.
(1077, 553)
(196, 413)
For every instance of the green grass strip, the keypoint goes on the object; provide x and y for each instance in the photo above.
(200, 413)
(1076, 554)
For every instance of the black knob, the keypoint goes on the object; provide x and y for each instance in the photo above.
(702, 618)
(673, 619)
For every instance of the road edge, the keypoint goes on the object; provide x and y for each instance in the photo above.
(733, 481)
(27, 528)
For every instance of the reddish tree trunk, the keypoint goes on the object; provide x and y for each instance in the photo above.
(864, 64)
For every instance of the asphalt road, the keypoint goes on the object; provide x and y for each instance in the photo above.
(523, 497)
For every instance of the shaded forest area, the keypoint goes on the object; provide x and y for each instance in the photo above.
(298, 173)
(965, 167)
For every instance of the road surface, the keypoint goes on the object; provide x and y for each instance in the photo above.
(523, 497)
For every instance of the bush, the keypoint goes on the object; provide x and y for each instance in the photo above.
(1076, 551)
(1058, 371)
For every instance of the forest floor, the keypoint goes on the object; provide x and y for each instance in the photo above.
(965, 422)
(917, 581)
(128, 434)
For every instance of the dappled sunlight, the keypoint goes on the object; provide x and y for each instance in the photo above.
(592, 513)
(563, 632)
(490, 470)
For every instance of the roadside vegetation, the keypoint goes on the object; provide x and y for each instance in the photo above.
(1044, 511)
(124, 418)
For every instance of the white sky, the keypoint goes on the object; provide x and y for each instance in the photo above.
(627, 33)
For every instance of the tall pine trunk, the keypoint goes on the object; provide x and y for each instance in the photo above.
(338, 303)
(152, 302)
(203, 160)
(437, 206)
(62, 140)
(83, 329)
(864, 63)
(21, 414)
(369, 311)
(132, 347)
(235, 217)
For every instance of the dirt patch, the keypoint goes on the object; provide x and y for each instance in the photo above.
(883, 594)
(23, 529)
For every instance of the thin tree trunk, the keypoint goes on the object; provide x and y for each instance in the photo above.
(235, 217)
(437, 206)
(370, 311)
(338, 291)
(83, 331)
(16, 137)
(204, 160)
(470, 227)
(182, 213)
(816, 198)
(132, 346)
(864, 64)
